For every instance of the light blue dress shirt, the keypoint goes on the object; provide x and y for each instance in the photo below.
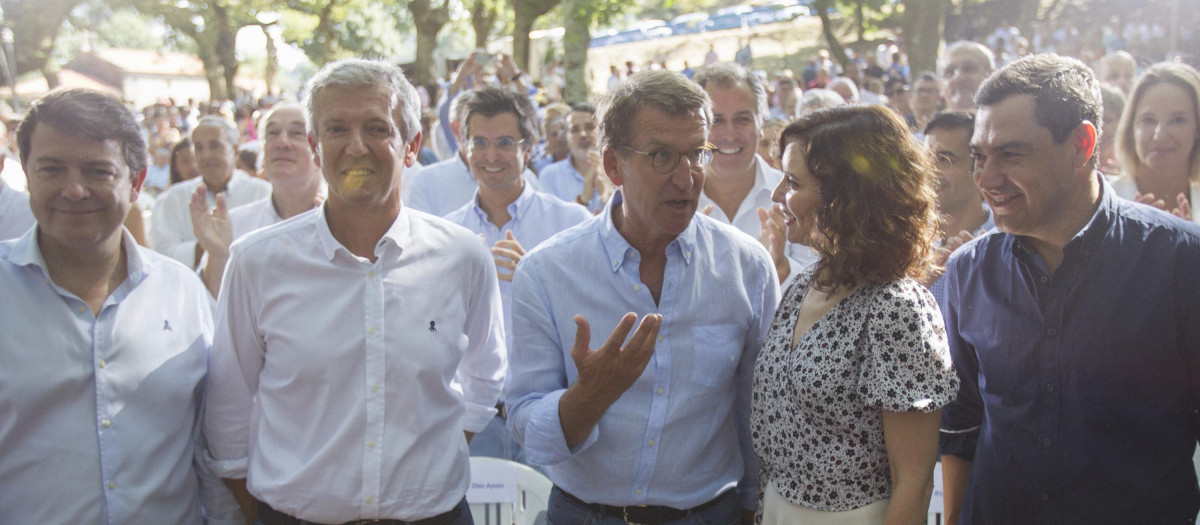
(100, 415)
(441, 188)
(562, 180)
(680, 435)
(535, 217)
(938, 288)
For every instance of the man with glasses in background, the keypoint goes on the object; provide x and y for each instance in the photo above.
(963, 68)
(623, 440)
(510, 215)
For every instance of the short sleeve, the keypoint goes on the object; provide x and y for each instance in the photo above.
(906, 362)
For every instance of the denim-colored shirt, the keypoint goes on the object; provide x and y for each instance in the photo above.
(679, 436)
(1079, 386)
(441, 188)
(562, 180)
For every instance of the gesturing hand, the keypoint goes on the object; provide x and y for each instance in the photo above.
(507, 252)
(607, 372)
(1182, 209)
(772, 234)
(213, 229)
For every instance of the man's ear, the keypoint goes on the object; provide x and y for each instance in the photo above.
(138, 181)
(456, 128)
(1085, 142)
(612, 167)
(413, 151)
(312, 145)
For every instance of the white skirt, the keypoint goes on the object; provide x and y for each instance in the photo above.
(779, 511)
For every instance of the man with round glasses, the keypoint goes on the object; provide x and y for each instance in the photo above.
(509, 214)
(624, 440)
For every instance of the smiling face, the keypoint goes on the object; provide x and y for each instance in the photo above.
(657, 206)
(798, 196)
(286, 156)
(359, 147)
(735, 131)
(1028, 180)
(956, 187)
(79, 190)
(962, 73)
(497, 170)
(215, 155)
(581, 133)
(1165, 130)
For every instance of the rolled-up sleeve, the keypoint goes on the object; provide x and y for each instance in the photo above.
(539, 374)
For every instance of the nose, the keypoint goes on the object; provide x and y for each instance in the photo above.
(987, 175)
(780, 191)
(356, 146)
(74, 189)
(683, 176)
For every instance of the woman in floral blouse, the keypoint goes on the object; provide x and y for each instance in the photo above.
(850, 383)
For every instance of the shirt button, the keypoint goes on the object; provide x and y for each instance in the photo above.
(1045, 497)
(1052, 331)
(106, 423)
(660, 390)
(371, 274)
(112, 484)
(103, 363)
(1043, 279)
(1049, 387)
(371, 444)
(375, 387)
(370, 499)
(637, 287)
(660, 338)
(1046, 442)
(639, 492)
(371, 330)
(81, 309)
(651, 442)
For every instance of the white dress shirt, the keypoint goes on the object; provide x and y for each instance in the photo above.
(441, 188)
(746, 219)
(100, 415)
(171, 231)
(15, 216)
(340, 387)
(249, 217)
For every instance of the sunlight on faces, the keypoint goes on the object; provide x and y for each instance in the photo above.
(215, 156)
(286, 157)
(1165, 130)
(798, 196)
(735, 130)
(495, 169)
(80, 190)
(964, 70)
(951, 150)
(658, 205)
(1024, 176)
(582, 134)
(358, 146)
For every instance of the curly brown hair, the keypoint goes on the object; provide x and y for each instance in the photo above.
(878, 218)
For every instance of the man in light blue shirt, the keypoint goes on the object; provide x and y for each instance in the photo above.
(509, 214)
(655, 431)
(443, 187)
(105, 344)
(579, 177)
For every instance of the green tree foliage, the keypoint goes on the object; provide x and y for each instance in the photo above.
(35, 26)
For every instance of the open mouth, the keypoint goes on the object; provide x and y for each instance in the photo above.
(356, 172)
(679, 204)
(730, 151)
(487, 169)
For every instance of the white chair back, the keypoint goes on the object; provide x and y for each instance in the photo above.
(505, 492)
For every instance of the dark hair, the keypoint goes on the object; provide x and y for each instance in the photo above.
(583, 107)
(878, 216)
(247, 153)
(490, 101)
(953, 120)
(89, 114)
(1066, 92)
(186, 143)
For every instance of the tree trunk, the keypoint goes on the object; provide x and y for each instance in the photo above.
(483, 17)
(525, 13)
(226, 47)
(860, 19)
(923, 23)
(35, 27)
(577, 36)
(836, 50)
(272, 60)
(428, 21)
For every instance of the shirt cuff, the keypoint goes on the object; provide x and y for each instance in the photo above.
(545, 443)
(227, 468)
(477, 417)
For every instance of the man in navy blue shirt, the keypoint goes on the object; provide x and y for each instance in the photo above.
(1075, 328)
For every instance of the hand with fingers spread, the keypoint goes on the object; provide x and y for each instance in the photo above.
(507, 253)
(1182, 209)
(773, 235)
(213, 228)
(604, 373)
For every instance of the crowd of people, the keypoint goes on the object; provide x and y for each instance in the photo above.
(716, 297)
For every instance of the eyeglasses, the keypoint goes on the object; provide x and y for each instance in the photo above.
(665, 161)
(588, 128)
(503, 144)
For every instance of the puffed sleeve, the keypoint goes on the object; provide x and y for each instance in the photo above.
(906, 365)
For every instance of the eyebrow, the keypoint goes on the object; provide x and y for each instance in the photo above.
(1011, 145)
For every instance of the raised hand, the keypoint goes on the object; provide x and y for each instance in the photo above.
(773, 236)
(213, 229)
(1182, 208)
(507, 252)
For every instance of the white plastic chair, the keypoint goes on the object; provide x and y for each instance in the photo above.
(505, 492)
(937, 503)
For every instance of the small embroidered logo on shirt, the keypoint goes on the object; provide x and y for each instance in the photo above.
(432, 328)
(167, 326)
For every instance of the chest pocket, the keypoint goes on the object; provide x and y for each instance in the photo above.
(717, 349)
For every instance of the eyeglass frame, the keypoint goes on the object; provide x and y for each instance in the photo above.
(486, 144)
(707, 149)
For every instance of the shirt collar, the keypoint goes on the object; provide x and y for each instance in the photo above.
(396, 235)
(516, 209)
(27, 252)
(1087, 240)
(616, 246)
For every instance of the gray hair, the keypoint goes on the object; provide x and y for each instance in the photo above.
(666, 91)
(848, 84)
(967, 45)
(224, 125)
(815, 99)
(725, 75)
(354, 72)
